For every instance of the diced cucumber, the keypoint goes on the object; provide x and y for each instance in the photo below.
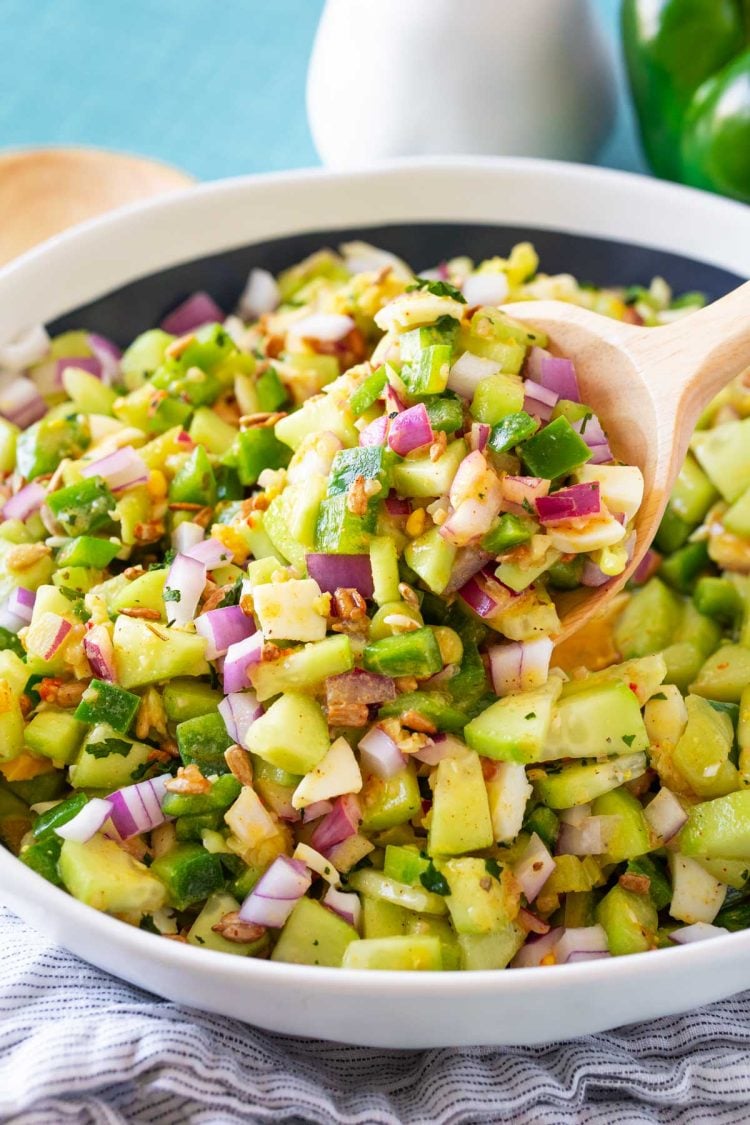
(630, 836)
(384, 565)
(314, 935)
(479, 903)
(107, 760)
(408, 953)
(460, 817)
(719, 829)
(516, 728)
(580, 784)
(421, 478)
(146, 653)
(432, 558)
(649, 620)
(374, 884)
(304, 668)
(293, 734)
(724, 675)
(724, 455)
(630, 921)
(188, 699)
(55, 734)
(702, 753)
(189, 873)
(436, 707)
(209, 430)
(490, 951)
(201, 932)
(202, 741)
(388, 802)
(317, 414)
(605, 719)
(104, 876)
(497, 396)
(146, 591)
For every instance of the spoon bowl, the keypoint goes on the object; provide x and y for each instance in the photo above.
(648, 386)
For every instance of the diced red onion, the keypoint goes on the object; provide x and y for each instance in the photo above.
(520, 665)
(341, 822)
(469, 561)
(328, 328)
(600, 455)
(184, 439)
(520, 491)
(380, 755)
(21, 403)
(590, 429)
(534, 868)
(344, 903)
(187, 535)
(467, 373)
(316, 810)
(485, 289)
(276, 893)
(539, 400)
(479, 436)
(137, 808)
(553, 372)
(186, 578)
(239, 659)
(394, 404)
(397, 506)
(223, 628)
(109, 356)
(593, 576)
(698, 931)
(441, 746)
(25, 502)
(665, 815)
(210, 552)
(359, 686)
(58, 631)
(332, 572)
(97, 645)
(197, 310)
(646, 568)
(410, 430)
(87, 822)
(536, 948)
(576, 502)
(121, 469)
(26, 349)
(239, 710)
(591, 837)
(261, 295)
(581, 939)
(375, 433)
(89, 363)
(21, 603)
(477, 598)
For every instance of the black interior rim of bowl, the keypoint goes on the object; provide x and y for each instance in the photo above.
(125, 312)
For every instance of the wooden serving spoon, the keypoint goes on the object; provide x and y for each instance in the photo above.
(648, 386)
(43, 191)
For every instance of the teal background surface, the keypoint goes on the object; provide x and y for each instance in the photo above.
(216, 87)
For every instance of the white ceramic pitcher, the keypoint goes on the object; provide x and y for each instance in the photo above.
(507, 77)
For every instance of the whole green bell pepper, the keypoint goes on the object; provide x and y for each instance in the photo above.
(688, 63)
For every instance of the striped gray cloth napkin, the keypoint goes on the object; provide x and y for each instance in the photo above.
(78, 1046)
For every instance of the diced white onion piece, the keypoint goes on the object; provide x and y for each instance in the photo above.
(665, 815)
(361, 257)
(380, 755)
(260, 295)
(468, 371)
(329, 328)
(317, 863)
(335, 775)
(87, 822)
(183, 588)
(187, 535)
(575, 815)
(520, 666)
(536, 948)
(346, 904)
(696, 895)
(699, 931)
(581, 939)
(508, 791)
(26, 349)
(485, 288)
(534, 867)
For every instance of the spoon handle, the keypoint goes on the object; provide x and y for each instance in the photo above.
(687, 363)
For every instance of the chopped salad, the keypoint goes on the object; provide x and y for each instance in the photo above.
(277, 621)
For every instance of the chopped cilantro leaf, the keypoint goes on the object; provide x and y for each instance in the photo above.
(109, 746)
(531, 715)
(432, 880)
(171, 595)
(492, 867)
(628, 739)
(437, 288)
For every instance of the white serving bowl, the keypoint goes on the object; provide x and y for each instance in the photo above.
(601, 225)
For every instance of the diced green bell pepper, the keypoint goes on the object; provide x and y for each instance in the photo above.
(555, 450)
